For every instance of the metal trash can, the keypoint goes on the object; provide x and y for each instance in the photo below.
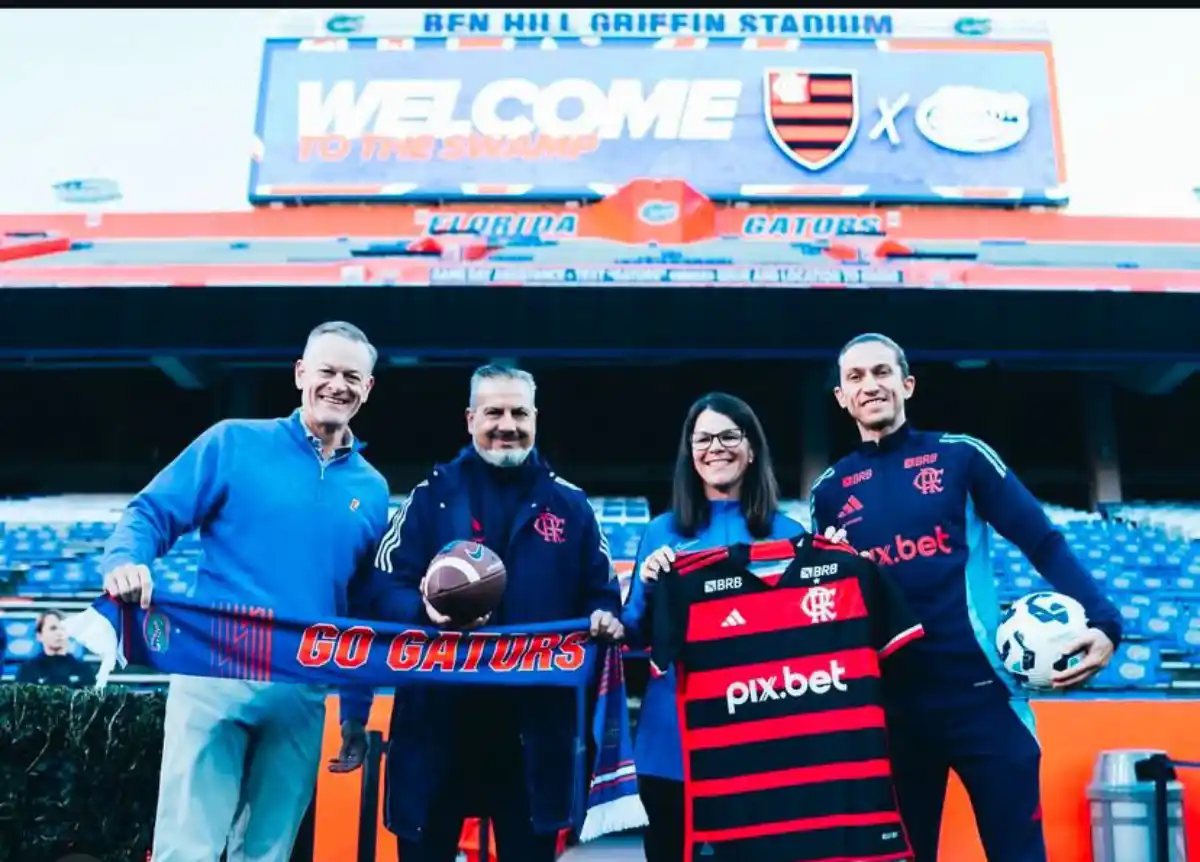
(1122, 811)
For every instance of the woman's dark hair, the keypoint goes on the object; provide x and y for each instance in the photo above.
(759, 497)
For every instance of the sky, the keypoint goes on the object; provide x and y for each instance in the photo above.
(163, 101)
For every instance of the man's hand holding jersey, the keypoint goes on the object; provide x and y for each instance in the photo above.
(1094, 645)
(838, 537)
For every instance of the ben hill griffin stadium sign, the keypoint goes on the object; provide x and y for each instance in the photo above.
(869, 107)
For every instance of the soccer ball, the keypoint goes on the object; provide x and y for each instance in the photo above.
(1033, 633)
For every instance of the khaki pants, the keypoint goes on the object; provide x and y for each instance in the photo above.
(239, 769)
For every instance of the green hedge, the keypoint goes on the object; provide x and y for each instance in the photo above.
(78, 772)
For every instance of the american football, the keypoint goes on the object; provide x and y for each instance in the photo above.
(465, 581)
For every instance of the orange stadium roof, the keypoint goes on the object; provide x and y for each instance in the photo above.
(645, 227)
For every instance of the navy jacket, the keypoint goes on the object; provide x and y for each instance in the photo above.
(920, 503)
(555, 576)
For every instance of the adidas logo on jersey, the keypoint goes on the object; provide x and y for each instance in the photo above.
(852, 505)
(734, 619)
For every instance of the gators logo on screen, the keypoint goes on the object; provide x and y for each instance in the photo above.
(811, 114)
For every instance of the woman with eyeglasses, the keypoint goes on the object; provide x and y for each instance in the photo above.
(724, 493)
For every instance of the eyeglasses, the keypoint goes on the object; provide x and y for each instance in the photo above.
(728, 439)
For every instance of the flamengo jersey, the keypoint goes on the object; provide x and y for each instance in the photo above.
(777, 647)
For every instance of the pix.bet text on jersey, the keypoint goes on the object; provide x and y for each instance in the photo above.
(778, 648)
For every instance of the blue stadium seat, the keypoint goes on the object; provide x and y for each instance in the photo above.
(31, 543)
(22, 638)
(623, 520)
(1135, 666)
(1165, 625)
(1190, 632)
(798, 511)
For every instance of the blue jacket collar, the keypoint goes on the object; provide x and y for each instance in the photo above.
(896, 440)
(300, 432)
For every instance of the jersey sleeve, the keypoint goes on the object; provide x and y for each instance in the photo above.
(669, 623)
(893, 624)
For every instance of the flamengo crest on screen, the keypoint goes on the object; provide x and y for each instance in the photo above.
(811, 114)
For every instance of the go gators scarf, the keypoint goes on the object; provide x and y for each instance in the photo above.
(175, 636)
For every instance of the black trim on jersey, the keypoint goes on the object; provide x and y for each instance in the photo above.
(793, 752)
(781, 804)
(805, 641)
(714, 711)
(852, 842)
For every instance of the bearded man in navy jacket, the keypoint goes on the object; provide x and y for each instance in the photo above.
(503, 752)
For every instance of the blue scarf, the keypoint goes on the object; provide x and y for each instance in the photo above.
(178, 637)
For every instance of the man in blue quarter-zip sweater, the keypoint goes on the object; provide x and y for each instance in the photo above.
(289, 512)
(919, 503)
(498, 751)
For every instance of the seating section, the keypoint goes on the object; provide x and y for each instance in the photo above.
(1146, 556)
(1178, 520)
(1151, 573)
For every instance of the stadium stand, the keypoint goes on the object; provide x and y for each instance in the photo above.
(1146, 555)
(1182, 521)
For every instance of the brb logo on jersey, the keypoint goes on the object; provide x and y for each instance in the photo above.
(815, 573)
(794, 685)
(720, 585)
(902, 549)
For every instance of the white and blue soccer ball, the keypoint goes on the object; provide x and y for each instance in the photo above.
(1033, 634)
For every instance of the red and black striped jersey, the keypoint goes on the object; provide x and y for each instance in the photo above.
(777, 647)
